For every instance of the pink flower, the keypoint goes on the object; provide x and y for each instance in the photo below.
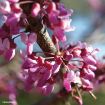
(68, 79)
(47, 89)
(68, 56)
(9, 54)
(38, 71)
(56, 65)
(35, 9)
(16, 11)
(59, 20)
(5, 7)
(89, 60)
(80, 67)
(59, 33)
(86, 84)
(6, 49)
(12, 24)
(51, 7)
(41, 74)
(64, 12)
(13, 1)
(29, 40)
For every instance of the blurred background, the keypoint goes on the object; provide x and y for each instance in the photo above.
(89, 19)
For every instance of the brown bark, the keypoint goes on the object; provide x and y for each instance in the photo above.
(43, 38)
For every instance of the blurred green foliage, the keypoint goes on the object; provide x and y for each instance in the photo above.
(77, 5)
(25, 98)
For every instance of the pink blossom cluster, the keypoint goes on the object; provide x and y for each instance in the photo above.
(55, 16)
(11, 12)
(79, 63)
(59, 19)
(82, 65)
(72, 66)
(7, 48)
(40, 74)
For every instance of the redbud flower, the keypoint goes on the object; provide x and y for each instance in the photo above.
(59, 33)
(13, 1)
(59, 19)
(35, 9)
(68, 80)
(86, 84)
(39, 73)
(6, 49)
(51, 7)
(29, 40)
(5, 7)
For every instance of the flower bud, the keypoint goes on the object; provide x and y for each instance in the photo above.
(51, 7)
(35, 9)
